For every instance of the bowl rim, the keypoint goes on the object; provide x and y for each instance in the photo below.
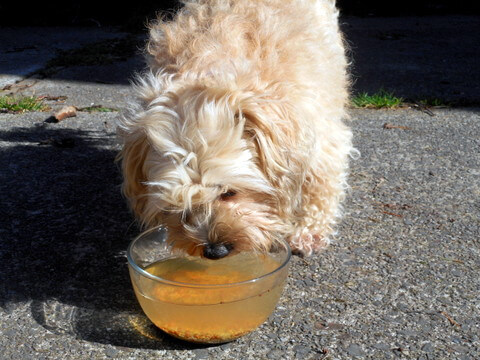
(145, 273)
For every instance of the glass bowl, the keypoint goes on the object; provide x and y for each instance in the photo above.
(202, 300)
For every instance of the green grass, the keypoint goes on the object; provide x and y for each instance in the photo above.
(381, 99)
(97, 108)
(15, 104)
(433, 102)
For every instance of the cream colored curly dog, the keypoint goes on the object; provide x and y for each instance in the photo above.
(236, 139)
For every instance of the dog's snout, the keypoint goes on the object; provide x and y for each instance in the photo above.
(216, 251)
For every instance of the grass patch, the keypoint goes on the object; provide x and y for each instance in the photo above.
(432, 102)
(381, 99)
(97, 108)
(15, 104)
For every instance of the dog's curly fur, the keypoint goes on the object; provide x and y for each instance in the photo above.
(237, 133)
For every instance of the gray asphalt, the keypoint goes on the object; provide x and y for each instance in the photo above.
(400, 281)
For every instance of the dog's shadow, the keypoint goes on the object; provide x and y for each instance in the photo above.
(64, 229)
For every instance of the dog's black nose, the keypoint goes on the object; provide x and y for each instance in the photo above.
(217, 250)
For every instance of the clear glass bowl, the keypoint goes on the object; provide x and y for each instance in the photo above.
(201, 300)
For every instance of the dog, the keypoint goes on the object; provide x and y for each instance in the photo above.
(238, 135)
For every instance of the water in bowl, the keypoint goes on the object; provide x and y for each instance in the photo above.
(211, 314)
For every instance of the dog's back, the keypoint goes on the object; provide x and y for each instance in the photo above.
(246, 43)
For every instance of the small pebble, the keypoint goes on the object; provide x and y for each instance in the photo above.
(427, 347)
(355, 350)
(382, 346)
(275, 354)
(201, 353)
(111, 352)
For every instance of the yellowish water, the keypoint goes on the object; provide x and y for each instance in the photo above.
(211, 314)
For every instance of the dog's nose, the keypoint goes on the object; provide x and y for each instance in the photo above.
(216, 251)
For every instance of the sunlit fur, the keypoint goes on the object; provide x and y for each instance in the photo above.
(245, 96)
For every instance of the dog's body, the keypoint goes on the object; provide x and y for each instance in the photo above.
(237, 139)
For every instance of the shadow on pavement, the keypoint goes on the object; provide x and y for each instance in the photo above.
(416, 57)
(64, 228)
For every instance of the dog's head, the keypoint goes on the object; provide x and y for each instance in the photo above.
(208, 165)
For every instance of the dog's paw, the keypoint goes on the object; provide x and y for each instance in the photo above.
(307, 243)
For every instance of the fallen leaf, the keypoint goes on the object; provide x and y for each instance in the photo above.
(391, 126)
(53, 98)
(393, 214)
(450, 319)
(396, 206)
(65, 112)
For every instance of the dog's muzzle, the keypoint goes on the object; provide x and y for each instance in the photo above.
(216, 251)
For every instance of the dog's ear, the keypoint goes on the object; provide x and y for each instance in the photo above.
(132, 156)
(131, 131)
(281, 145)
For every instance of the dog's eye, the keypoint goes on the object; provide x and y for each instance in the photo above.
(228, 194)
(187, 216)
